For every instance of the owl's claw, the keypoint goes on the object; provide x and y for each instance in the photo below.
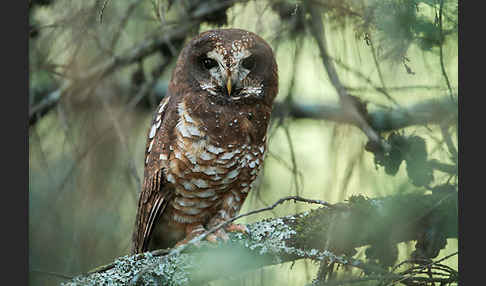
(237, 228)
(194, 231)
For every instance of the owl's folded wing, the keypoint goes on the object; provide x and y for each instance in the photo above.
(154, 195)
(150, 206)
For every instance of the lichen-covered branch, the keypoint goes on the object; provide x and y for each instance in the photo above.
(323, 234)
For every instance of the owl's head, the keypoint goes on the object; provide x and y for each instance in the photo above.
(229, 66)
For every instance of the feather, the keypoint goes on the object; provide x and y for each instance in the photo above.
(149, 211)
(155, 195)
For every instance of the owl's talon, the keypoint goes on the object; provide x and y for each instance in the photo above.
(212, 238)
(194, 231)
(237, 228)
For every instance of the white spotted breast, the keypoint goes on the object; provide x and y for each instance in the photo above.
(204, 171)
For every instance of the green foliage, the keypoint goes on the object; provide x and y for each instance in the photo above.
(393, 161)
(397, 24)
(427, 34)
(383, 254)
(412, 150)
(419, 172)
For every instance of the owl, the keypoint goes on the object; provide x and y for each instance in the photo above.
(207, 139)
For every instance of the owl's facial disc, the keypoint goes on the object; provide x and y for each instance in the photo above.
(229, 72)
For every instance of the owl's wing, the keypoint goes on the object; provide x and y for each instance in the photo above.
(154, 196)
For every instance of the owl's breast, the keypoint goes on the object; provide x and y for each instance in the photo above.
(204, 170)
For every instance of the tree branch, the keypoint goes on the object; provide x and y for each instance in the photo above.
(152, 44)
(431, 111)
(349, 105)
(362, 222)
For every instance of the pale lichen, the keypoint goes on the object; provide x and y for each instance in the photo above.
(271, 236)
(122, 270)
(143, 269)
(174, 270)
(269, 242)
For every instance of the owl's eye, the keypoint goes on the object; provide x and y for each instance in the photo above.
(209, 63)
(248, 63)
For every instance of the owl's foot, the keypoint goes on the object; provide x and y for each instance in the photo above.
(237, 228)
(222, 233)
(192, 231)
(195, 230)
(219, 234)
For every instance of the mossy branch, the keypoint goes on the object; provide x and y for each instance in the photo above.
(324, 234)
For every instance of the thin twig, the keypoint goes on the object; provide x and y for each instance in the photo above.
(56, 274)
(102, 10)
(360, 75)
(283, 163)
(380, 74)
(294, 170)
(123, 22)
(407, 276)
(448, 140)
(289, 100)
(441, 56)
(346, 101)
(394, 278)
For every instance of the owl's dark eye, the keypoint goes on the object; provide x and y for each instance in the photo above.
(248, 63)
(209, 63)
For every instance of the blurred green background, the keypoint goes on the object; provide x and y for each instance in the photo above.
(86, 163)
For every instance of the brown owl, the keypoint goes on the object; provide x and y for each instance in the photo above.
(207, 139)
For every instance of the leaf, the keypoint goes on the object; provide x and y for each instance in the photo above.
(418, 170)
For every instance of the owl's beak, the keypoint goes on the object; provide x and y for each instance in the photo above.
(228, 86)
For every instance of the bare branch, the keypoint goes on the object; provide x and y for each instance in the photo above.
(432, 111)
(152, 44)
(380, 74)
(347, 102)
(102, 10)
(441, 55)
(123, 22)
